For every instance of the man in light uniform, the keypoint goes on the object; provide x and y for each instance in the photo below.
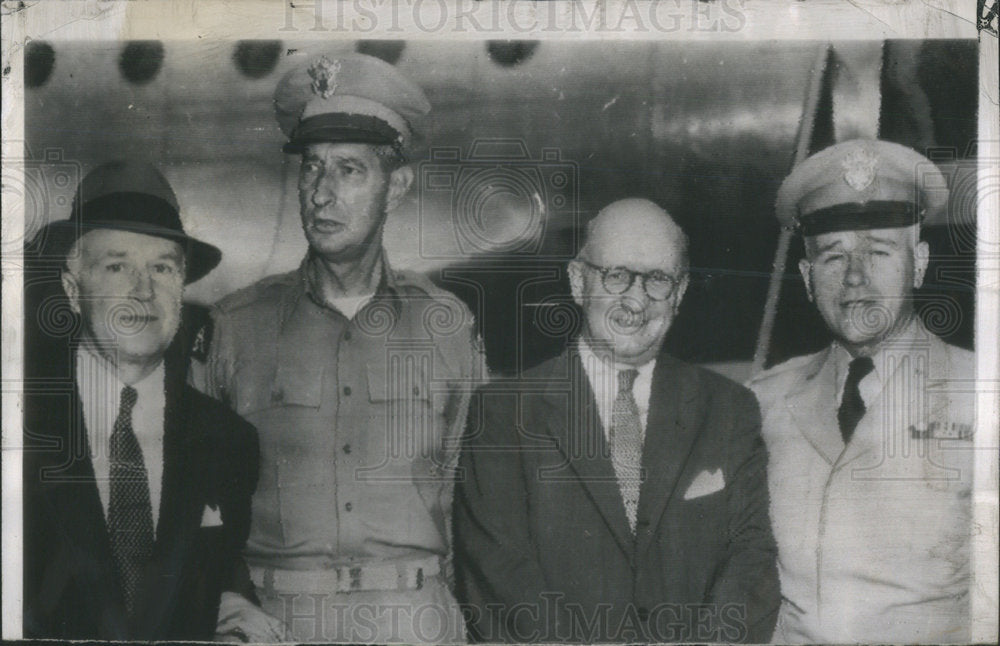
(358, 377)
(870, 439)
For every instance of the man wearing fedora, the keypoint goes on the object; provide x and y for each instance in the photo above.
(357, 375)
(870, 439)
(136, 486)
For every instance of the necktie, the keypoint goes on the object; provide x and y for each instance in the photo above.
(626, 443)
(852, 407)
(130, 514)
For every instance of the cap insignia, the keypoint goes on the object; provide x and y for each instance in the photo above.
(859, 169)
(324, 75)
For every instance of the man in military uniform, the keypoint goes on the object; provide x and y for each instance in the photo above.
(870, 441)
(358, 377)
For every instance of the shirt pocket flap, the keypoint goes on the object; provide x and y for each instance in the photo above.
(258, 391)
(298, 386)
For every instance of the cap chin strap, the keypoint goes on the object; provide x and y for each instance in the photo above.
(859, 217)
(343, 128)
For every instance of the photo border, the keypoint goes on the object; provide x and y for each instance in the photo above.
(721, 20)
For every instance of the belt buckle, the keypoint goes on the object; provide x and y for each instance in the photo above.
(349, 579)
(359, 578)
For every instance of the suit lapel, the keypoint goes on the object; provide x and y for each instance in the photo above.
(899, 405)
(813, 406)
(68, 485)
(671, 431)
(868, 433)
(579, 435)
(178, 517)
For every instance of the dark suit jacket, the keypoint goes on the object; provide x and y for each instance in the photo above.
(543, 547)
(210, 458)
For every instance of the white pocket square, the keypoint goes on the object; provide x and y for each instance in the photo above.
(707, 482)
(211, 517)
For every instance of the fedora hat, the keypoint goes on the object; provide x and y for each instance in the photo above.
(135, 197)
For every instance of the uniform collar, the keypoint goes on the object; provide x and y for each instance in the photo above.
(388, 289)
(901, 343)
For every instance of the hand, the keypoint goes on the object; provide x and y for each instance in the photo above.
(242, 622)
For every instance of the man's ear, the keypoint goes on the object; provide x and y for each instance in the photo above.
(399, 183)
(805, 268)
(921, 256)
(679, 293)
(72, 289)
(575, 271)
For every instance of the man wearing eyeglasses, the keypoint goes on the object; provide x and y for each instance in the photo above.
(615, 493)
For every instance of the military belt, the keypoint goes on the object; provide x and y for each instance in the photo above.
(366, 577)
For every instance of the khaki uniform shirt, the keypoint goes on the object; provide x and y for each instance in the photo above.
(359, 420)
(873, 537)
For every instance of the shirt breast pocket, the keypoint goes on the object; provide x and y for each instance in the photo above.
(284, 403)
(261, 390)
(406, 412)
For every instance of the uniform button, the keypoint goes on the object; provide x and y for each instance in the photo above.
(277, 395)
(347, 390)
(347, 335)
(348, 506)
(347, 448)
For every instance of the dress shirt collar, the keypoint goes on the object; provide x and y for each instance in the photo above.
(98, 377)
(871, 386)
(100, 394)
(602, 373)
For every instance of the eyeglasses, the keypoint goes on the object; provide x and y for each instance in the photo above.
(618, 280)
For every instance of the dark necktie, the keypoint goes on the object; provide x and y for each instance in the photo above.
(852, 407)
(130, 514)
(626, 443)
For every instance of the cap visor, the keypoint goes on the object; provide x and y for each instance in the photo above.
(337, 135)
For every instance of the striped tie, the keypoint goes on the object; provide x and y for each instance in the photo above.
(130, 514)
(626, 443)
